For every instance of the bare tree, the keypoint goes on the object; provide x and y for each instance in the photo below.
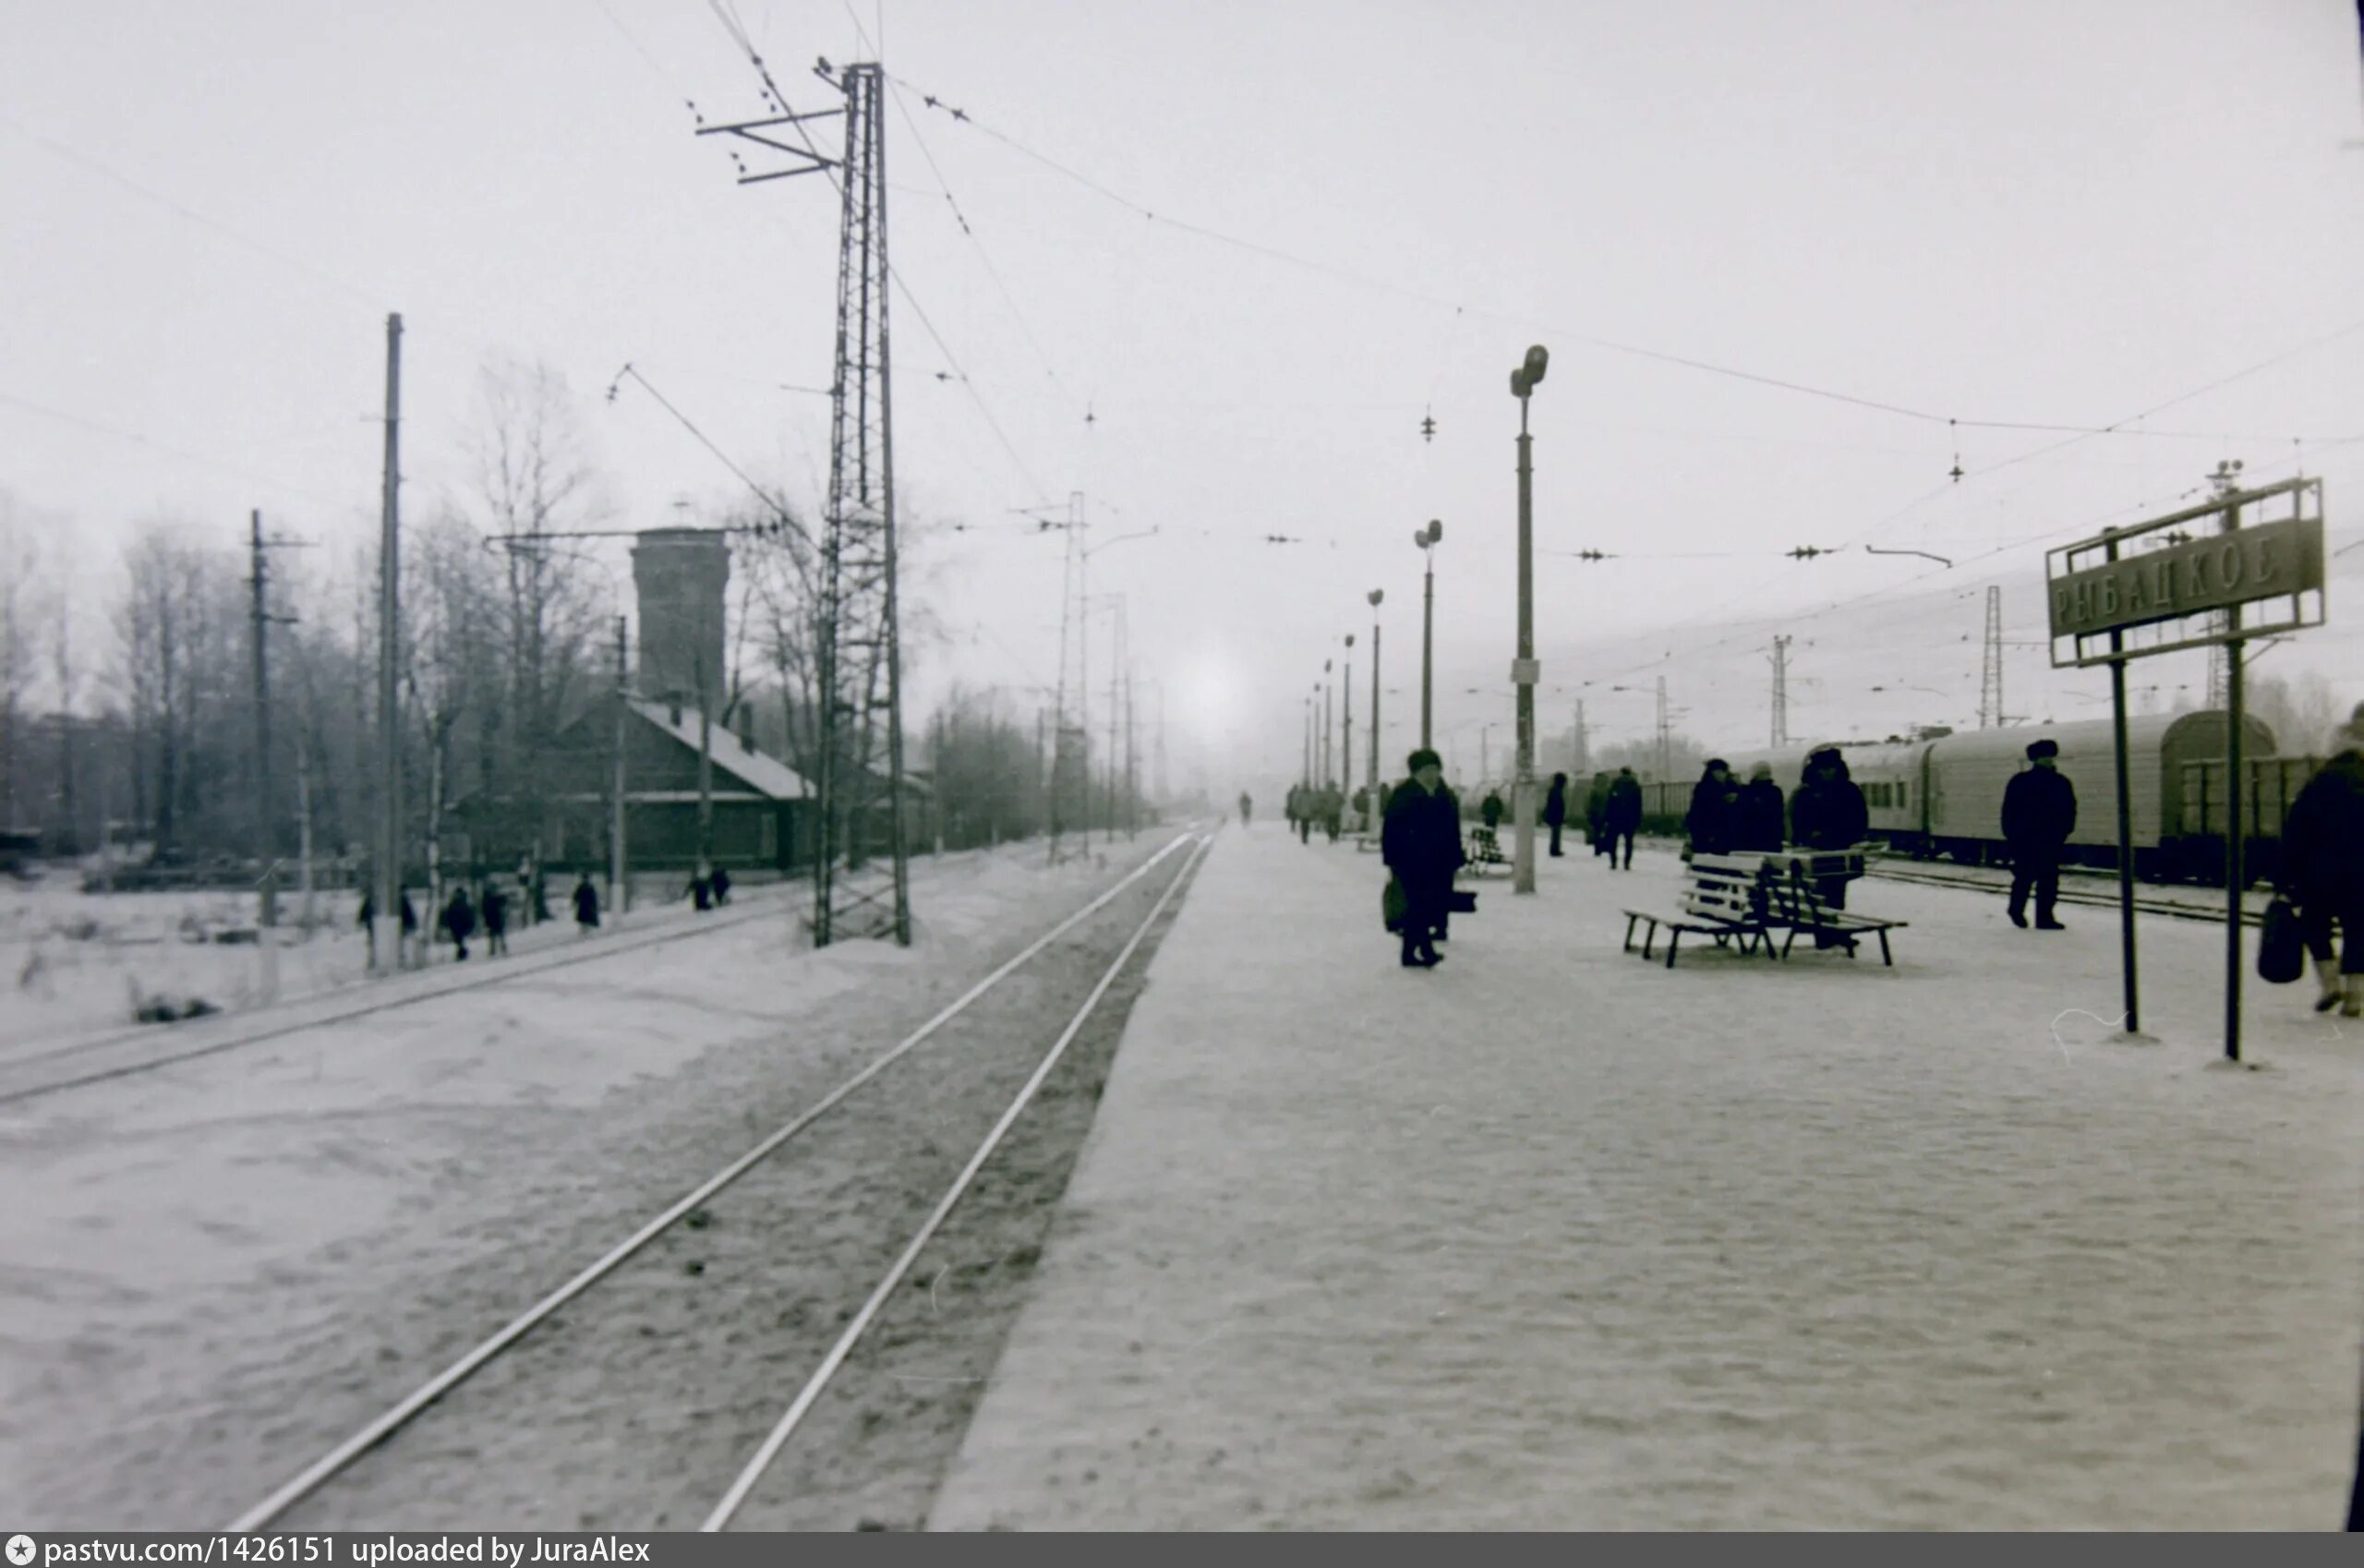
(19, 590)
(535, 479)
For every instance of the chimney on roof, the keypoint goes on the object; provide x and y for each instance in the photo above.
(683, 574)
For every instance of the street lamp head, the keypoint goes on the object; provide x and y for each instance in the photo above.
(1537, 359)
(1376, 594)
(1350, 639)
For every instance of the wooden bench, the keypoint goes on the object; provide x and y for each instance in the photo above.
(1724, 897)
(1793, 901)
(1484, 851)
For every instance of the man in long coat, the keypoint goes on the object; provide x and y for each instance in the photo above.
(2039, 813)
(1597, 814)
(1421, 843)
(1710, 821)
(1828, 813)
(1621, 818)
(2323, 867)
(1555, 808)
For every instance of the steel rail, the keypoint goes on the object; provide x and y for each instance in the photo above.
(323, 1468)
(524, 967)
(787, 1423)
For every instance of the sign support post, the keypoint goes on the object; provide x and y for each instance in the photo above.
(2125, 829)
(2194, 593)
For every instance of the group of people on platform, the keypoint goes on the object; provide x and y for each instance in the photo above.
(1309, 806)
(2323, 840)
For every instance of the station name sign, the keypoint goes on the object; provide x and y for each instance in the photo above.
(2267, 560)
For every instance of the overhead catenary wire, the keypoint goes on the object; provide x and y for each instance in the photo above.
(1590, 339)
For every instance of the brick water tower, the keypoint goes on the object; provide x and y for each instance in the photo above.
(681, 575)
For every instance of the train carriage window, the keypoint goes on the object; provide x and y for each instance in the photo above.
(1903, 795)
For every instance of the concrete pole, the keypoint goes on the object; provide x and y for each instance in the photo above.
(616, 897)
(1522, 788)
(386, 928)
(1428, 638)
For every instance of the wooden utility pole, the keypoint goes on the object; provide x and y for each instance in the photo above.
(266, 848)
(386, 928)
(616, 898)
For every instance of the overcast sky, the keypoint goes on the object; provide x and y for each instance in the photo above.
(2038, 211)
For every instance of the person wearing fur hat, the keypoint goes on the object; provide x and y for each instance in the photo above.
(1621, 815)
(1421, 844)
(2323, 867)
(1710, 821)
(1828, 813)
(2039, 813)
(1758, 815)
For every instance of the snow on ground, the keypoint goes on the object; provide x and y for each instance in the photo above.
(1551, 1237)
(76, 963)
(181, 1243)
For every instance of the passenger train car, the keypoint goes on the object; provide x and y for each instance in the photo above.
(1943, 795)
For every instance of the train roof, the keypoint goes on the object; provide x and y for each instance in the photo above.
(2145, 732)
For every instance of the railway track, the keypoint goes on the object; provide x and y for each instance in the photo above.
(770, 1222)
(92, 1059)
(2073, 891)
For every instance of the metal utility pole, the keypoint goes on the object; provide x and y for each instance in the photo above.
(1990, 679)
(1664, 732)
(860, 662)
(1583, 759)
(1346, 732)
(1780, 691)
(1067, 740)
(1329, 775)
(1371, 779)
(386, 928)
(616, 885)
(1523, 668)
(1427, 539)
(1305, 773)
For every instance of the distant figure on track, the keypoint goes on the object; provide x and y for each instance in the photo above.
(1621, 818)
(586, 906)
(2039, 813)
(701, 887)
(1421, 844)
(2323, 867)
(1489, 810)
(1555, 809)
(496, 920)
(1245, 804)
(460, 920)
(721, 884)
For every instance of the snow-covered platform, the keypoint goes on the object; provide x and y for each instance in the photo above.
(1553, 1237)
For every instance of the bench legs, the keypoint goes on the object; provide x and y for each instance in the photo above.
(1884, 958)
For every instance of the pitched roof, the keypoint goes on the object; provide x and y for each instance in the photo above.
(760, 772)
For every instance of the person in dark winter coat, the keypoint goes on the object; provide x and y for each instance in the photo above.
(1828, 813)
(1757, 815)
(1597, 814)
(460, 920)
(1621, 817)
(1421, 844)
(2039, 813)
(1245, 805)
(586, 906)
(701, 889)
(1332, 803)
(1555, 808)
(1710, 821)
(721, 882)
(496, 920)
(1489, 810)
(2323, 867)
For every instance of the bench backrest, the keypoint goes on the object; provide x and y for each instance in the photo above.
(1794, 900)
(1725, 888)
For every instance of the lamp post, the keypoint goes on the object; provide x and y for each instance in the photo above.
(1326, 773)
(1523, 669)
(1346, 721)
(1427, 539)
(1371, 779)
